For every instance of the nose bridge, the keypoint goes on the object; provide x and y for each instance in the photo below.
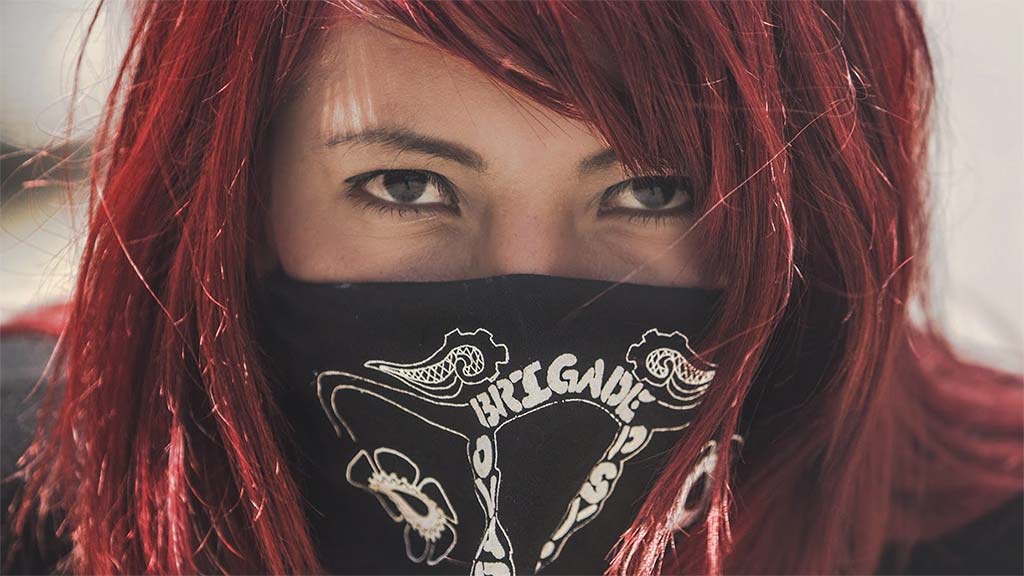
(528, 240)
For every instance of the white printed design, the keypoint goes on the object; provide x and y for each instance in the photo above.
(459, 389)
(658, 358)
(464, 358)
(691, 506)
(421, 503)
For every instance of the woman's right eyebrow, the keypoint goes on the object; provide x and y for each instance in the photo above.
(404, 139)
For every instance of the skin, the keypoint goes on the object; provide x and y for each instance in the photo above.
(521, 206)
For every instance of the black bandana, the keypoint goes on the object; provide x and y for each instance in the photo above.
(485, 426)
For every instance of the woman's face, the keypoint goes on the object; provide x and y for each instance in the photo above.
(397, 162)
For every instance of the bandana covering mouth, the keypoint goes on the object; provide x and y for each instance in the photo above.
(501, 425)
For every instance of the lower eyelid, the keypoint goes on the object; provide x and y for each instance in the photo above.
(682, 209)
(654, 217)
(368, 201)
(399, 211)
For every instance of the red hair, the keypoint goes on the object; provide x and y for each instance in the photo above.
(804, 127)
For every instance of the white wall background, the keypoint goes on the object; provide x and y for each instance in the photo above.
(978, 241)
(977, 255)
(39, 44)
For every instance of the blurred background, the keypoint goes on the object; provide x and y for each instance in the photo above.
(977, 252)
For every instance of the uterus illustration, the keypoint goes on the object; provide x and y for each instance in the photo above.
(468, 387)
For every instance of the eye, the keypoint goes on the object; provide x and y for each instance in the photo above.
(647, 194)
(416, 190)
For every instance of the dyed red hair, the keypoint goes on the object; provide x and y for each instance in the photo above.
(804, 128)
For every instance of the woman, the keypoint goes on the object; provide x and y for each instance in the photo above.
(496, 288)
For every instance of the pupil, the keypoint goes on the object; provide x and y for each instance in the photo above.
(653, 193)
(405, 186)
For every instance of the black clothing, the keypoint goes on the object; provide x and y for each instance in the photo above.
(504, 425)
(993, 544)
(22, 359)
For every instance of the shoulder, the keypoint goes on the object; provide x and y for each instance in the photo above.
(24, 355)
(991, 544)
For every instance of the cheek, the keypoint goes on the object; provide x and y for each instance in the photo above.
(665, 255)
(323, 237)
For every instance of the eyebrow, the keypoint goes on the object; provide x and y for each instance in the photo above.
(404, 139)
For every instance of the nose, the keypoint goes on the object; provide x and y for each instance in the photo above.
(528, 240)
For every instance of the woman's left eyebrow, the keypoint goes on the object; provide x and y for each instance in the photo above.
(400, 139)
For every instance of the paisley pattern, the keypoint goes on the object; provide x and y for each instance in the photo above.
(463, 388)
(464, 358)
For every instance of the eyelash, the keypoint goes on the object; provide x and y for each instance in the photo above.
(370, 202)
(652, 217)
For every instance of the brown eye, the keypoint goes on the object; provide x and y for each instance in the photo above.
(649, 194)
(405, 187)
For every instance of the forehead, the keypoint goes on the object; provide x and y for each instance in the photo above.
(368, 74)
